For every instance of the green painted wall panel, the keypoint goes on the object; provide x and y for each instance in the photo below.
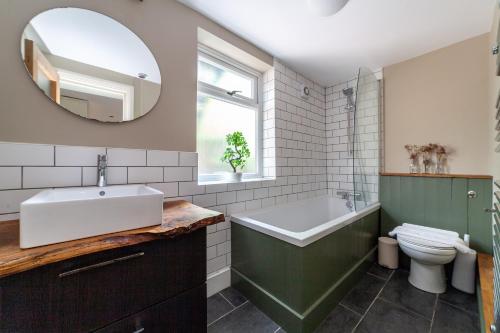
(438, 203)
(458, 213)
(390, 200)
(479, 221)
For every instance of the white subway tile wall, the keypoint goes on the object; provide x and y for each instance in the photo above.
(159, 158)
(304, 141)
(10, 178)
(140, 175)
(38, 177)
(15, 154)
(77, 156)
(126, 157)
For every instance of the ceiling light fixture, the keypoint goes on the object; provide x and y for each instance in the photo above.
(326, 7)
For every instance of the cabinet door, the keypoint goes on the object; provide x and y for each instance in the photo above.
(186, 312)
(89, 292)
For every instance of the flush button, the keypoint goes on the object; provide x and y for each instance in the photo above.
(471, 194)
(102, 193)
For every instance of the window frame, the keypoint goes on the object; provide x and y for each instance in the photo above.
(222, 61)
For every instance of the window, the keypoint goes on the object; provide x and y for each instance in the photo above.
(228, 101)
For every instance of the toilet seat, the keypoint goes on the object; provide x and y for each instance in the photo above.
(443, 251)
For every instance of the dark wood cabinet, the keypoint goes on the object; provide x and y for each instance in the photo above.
(158, 284)
(182, 313)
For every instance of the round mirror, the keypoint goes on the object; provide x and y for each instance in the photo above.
(90, 64)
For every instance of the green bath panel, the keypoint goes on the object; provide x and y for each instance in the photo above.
(298, 286)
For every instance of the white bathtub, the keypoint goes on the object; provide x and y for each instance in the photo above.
(302, 222)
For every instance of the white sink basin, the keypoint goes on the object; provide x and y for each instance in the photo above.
(61, 215)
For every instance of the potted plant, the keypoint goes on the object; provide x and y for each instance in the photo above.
(236, 154)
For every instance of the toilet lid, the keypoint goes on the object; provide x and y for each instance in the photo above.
(430, 238)
(429, 243)
(430, 232)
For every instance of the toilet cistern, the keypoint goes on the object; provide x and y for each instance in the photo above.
(102, 174)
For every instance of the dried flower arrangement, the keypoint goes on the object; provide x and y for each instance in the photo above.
(413, 151)
(441, 157)
(427, 152)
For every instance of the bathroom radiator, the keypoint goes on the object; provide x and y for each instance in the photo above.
(496, 258)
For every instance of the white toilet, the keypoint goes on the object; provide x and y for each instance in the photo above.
(429, 249)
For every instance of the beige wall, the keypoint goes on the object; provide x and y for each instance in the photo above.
(494, 85)
(170, 31)
(440, 97)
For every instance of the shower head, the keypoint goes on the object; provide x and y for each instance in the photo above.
(348, 92)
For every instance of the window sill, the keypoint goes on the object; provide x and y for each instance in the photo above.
(226, 181)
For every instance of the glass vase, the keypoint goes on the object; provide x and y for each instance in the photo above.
(440, 166)
(413, 166)
(427, 168)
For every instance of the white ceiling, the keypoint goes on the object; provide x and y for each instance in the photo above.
(372, 33)
(95, 39)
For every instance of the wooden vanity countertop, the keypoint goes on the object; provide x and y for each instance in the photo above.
(485, 264)
(436, 175)
(179, 217)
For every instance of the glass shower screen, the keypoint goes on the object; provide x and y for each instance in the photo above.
(366, 140)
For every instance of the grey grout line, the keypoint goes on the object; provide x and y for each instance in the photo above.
(227, 313)
(348, 308)
(405, 309)
(223, 295)
(458, 308)
(379, 277)
(373, 302)
(433, 313)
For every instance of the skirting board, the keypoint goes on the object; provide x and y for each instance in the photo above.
(218, 281)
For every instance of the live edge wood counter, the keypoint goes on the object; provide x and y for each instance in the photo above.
(179, 217)
(436, 175)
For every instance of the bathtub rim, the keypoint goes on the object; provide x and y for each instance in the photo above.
(306, 237)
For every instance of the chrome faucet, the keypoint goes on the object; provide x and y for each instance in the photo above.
(102, 165)
(343, 194)
(346, 195)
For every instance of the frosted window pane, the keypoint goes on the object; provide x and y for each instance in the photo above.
(215, 120)
(224, 79)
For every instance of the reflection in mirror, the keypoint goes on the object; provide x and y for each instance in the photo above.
(91, 65)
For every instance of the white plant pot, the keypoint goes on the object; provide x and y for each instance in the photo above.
(234, 176)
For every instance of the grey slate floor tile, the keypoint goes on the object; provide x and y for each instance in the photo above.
(217, 306)
(460, 299)
(399, 291)
(233, 296)
(391, 304)
(449, 319)
(380, 271)
(340, 320)
(245, 319)
(389, 318)
(363, 294)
